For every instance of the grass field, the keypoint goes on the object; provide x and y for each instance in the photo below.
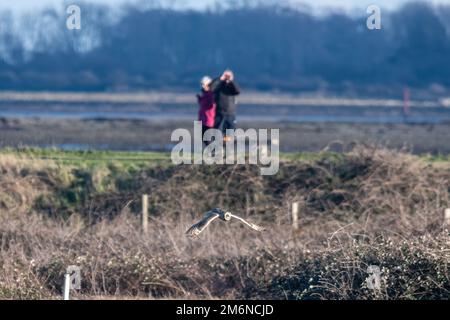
(364, 207)
(91, 158)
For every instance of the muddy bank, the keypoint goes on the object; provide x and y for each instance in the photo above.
(129, 134)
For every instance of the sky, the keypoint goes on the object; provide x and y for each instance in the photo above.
(346, 5)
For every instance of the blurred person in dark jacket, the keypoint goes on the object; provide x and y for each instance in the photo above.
(225, 91)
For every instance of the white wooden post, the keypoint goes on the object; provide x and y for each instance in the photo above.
(295, 215)
(447, 217)
(145, 213)
(66, 286)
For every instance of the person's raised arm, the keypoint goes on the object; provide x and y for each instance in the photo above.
(215, 84)
(235, 90)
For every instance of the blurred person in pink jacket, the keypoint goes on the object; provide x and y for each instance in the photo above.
(206, 101)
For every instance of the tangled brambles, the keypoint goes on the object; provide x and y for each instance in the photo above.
(363, 208)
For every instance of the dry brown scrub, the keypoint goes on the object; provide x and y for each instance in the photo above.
(367, 190)
(367, 207)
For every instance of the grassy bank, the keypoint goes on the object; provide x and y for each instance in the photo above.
(365, 207)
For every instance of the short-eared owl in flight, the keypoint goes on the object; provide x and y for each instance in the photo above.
(212, 215)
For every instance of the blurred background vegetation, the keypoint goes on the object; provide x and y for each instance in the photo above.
(271, 46)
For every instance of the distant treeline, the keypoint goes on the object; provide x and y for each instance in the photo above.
(269, 47)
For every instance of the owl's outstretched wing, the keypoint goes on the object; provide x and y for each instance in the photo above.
(197, 228)
(247, 223)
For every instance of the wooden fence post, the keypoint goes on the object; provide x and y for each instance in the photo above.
(66, 289)
(295, 215)
(145, 213)
(447, 217)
